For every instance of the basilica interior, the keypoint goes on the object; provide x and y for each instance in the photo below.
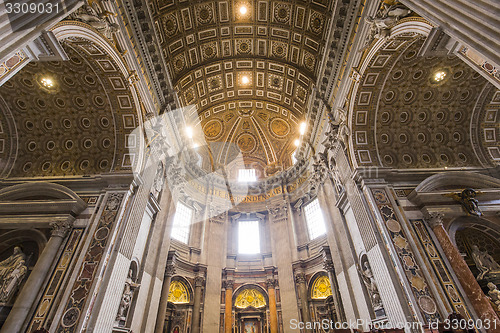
(249, 166)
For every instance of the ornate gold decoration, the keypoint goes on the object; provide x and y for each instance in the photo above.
(277, 46)
(213, 128)
(178, 293)
(171, 24)
(250, 297)
(321, 288)
(246, 143)
(279, 127)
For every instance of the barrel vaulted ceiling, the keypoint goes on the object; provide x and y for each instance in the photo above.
(212, 48)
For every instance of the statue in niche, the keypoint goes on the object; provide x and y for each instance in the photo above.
(485, 263)
(12, 273)
(127, 296)
(494, 294)
(371, 285)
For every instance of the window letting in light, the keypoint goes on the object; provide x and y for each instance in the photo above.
(248, 237)
(314, 220)
(247, 175)
(182, 223)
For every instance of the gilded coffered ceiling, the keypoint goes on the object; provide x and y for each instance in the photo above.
(412, 111)
(248, 67)
(67, 118)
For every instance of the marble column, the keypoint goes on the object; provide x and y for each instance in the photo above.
(337, 300)
(300, 279)
(228, 315)
(31, 289)
(198, 284)
(162, 308)
(478, 299)
(273, 313)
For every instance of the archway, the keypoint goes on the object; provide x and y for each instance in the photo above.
(251, 309)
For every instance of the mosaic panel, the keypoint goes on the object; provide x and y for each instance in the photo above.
(83, 283)
(408, 261)
(46, 303)
(440, 269)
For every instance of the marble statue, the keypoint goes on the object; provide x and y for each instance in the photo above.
(494, 294)
(485, 263)
(98, 21)
(158, 181)
(12, 273)
(127, 295)
(385, 17)
(371, 285)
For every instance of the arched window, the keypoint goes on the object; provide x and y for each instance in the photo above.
(314, 219)
(321, 288)
(250, 297)
(182, 223)
(178, 293)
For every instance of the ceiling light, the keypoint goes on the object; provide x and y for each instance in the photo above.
(47, 82)
(189, 132)
(439, 76)
(296, 142)
(302, 128)
(245, 80)
(243, 10)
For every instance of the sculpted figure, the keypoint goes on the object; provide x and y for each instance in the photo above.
(99, 21)
(494, 294)
(386, 17)
(484, 262)
(128, 293)
(467, 198)
(8, 265)
(12, 273)
(371, 285)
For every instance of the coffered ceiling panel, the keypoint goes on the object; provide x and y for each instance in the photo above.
(412, 111)
(248, 67)
(67, 117)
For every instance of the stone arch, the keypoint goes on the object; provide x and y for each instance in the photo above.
(12, 238)
(457, 179)
(484, 225)
(39, 189)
